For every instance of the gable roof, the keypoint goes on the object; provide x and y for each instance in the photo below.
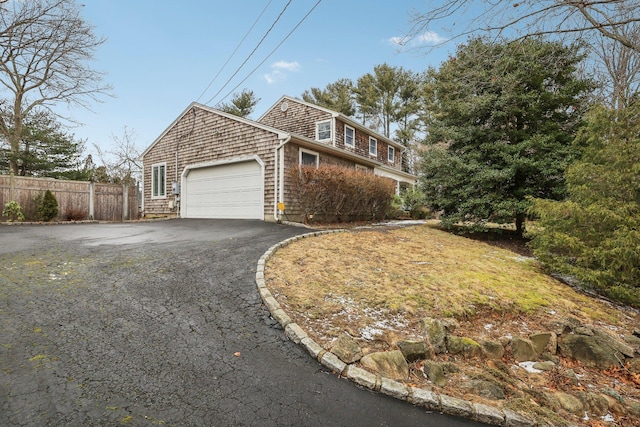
(281, 134)
(348, 120)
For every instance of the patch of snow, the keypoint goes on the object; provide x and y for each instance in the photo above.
(608, 418)
(521, 258)
(551, 312)
(528, 366)
(370, 333)
(586, 416)
(398, 222)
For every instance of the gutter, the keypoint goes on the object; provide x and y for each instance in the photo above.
(277, 176)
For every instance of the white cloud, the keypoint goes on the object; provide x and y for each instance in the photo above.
(273, 77)
(398, 41)
(284, 65)
(278, 71)
(429, 38)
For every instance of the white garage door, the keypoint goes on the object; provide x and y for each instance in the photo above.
(233, 190)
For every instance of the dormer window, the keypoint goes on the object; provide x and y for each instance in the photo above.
(323, 131)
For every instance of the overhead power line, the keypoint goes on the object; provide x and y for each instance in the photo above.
(234, 52)
(252, 52)
(270, 53)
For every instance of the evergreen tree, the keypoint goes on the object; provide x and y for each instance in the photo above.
(337, 96)
(45, 150)
(387, 95)
(502, 116)
(242, 104)
(46, 206)
(594, 236)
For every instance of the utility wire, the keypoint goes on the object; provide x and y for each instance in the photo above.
(234, 52)
(270, 53)
(252, 52)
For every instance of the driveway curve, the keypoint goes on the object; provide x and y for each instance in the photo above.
(160, 323)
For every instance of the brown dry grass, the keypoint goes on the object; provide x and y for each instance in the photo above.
(355, 280)
(377, 284)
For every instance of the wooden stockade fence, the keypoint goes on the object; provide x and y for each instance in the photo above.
(77, 199)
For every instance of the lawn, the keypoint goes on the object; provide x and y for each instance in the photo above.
(377, 284)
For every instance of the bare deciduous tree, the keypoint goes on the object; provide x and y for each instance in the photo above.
(617, 67)
(533, 17)
(122, 163)
(45, 48)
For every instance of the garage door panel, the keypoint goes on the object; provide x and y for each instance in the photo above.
(225, 191)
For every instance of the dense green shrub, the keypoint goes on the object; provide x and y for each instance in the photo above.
(46, 206)
(13, 211)
(414, 201)
(336, 194)
(594, 236)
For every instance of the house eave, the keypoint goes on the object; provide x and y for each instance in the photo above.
(362, 160)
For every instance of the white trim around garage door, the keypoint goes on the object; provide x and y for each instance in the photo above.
(230, 188)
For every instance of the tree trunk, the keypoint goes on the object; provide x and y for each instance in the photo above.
(520, 224)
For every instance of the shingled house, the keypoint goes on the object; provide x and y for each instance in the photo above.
(210, 164)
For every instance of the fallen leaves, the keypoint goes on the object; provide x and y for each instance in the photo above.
(624, 375)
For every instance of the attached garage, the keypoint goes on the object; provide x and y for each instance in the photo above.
(231, 189)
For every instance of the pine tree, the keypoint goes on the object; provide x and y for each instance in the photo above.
(46, 150)
(594, 236)
(502, 116)
(242, 104)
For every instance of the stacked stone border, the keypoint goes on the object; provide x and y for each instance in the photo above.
(417, 396)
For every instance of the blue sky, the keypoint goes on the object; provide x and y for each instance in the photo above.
(160, 56)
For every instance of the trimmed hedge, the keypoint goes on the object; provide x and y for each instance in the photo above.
(337, 194)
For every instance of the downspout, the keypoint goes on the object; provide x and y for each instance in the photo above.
(276, 177)
(334, 131)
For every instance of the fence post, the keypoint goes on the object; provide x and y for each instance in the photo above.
(125, 202)
(12, 186)
(91, 201)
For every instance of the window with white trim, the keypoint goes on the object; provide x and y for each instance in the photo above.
(309, 158)
(391, 154)
(158, 180)
(323, 130)
(349, 136)
(373, 146)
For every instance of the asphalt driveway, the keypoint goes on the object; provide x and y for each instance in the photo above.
(160, 323)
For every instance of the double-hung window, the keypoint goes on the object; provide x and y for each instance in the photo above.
(309, 158)
(349, 136)
(158, 180)
(323, 130)
(391, 154)
(373, 146)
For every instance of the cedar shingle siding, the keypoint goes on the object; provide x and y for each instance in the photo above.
(202, 134)
(298, 118)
